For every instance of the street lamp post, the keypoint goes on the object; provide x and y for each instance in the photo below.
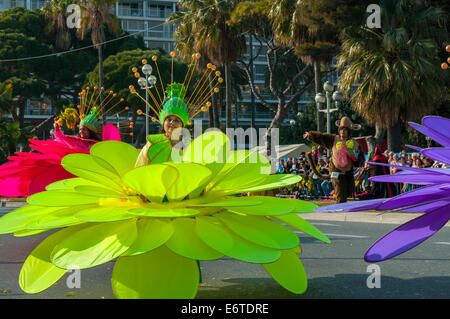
(146, 83)
(337, 97)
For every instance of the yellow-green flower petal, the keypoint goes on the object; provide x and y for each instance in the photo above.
(94, 245)
(302, 225)
(109, 150)
(61, 198)
(271, 182)
(288, 271)
(191, 176)
(60, 218)
(70, 184)
(17, 220)
(240, 176)
(151, 234)
(302, 206)
(164, 212)
(29, 232)
(97, 191)
(231, 201)
(210, 147)
(102, 214)
(158, 274)
(38, 273)
(269, 206)
(218, 237)
(153, 181)
(260, 230)
(93, 169)
(185, 241)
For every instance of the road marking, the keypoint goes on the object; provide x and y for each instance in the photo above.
(325, 224)
(442, 243)
(349, 236)
(337, 235)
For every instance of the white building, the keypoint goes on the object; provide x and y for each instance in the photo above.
(147, 17)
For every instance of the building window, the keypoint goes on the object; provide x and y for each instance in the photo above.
(37, 4)
(131, 8)
(159, 11)
(35, 107)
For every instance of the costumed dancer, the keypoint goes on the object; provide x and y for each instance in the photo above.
(175, 109)
(433, 199)
(28, 173)
(345, 156)
(157, 221)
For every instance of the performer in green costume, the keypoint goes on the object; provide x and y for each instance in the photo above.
(176, 111)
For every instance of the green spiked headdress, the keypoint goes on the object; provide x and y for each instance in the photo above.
(92, 120)
(175, 104)
(175, 100)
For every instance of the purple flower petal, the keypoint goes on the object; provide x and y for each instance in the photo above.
(352, 206)
(433, 122)
(438, 154)
(415, 169)
(408, 235)
(418, 179)
(414, 147)
(424, 194)
(426, 206)
(435, 135)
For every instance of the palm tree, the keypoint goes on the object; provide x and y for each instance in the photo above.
(208, 20)
(397, 66)
(94, 15)
(315, 41)
(55, 14)
(187, 45)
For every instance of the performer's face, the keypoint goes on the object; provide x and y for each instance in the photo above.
(84, 132)
(171, 123)
(343, 133)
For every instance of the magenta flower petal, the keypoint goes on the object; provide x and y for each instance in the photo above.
(111, 133)
(408, 235)
(47, 177)
(30, 173)
(15, 186)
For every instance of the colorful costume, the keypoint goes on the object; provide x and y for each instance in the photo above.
(28, 173)
(175, 102)
(433, 199)
(159, 219)
(345, 155)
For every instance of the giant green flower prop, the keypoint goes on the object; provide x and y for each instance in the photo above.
(159, 220)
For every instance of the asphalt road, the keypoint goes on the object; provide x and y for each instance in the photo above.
(335, 270)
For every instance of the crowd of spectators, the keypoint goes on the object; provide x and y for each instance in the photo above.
(313, 187)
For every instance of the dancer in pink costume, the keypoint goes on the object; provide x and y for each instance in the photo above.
(28, 173)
